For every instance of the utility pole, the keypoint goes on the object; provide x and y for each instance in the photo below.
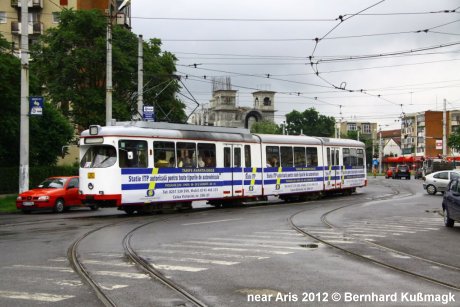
(444, 133)
(140, 78)
(108, 85)
(24, 115)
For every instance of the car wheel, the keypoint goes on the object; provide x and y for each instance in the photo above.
(59, 206)
(431, 189)
(94, 207)
(448, 222)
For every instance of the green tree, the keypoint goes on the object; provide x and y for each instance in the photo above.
(48, 133)
(454, 140)
(71, 62)
(310, 123)
(265, 127)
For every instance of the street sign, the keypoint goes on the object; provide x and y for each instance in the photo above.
(36, 105)
(438, 144)
(148, 113)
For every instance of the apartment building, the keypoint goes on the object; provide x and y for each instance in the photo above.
(44, 14)
(366, 130)
(422, 132)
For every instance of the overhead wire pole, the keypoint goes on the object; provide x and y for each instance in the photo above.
(109, 85)
(140, 79)
(24, 114)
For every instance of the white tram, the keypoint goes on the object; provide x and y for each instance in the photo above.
(144, 166)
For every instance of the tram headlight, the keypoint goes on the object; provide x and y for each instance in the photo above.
(90, 186)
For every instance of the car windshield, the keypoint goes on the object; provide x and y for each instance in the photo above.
(99, 156)
(52, 183)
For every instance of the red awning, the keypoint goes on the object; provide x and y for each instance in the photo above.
(402, 159)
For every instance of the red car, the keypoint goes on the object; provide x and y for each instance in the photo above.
(56, 193)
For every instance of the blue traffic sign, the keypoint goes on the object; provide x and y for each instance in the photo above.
(36, 105)
(148, 113)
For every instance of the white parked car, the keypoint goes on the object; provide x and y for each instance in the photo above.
(439, 181)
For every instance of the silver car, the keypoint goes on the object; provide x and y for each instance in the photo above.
(439, 181)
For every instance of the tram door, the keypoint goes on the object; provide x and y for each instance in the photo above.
(233, 159)
(333, 170)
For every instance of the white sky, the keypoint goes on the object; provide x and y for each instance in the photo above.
(253, 38)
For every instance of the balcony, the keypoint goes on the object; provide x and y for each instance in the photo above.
(30, 3)
(35, 28)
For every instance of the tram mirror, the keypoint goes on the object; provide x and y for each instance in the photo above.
(130, 155)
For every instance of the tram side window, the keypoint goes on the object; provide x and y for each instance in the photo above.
(360, 156)
(133, 153)
(227, 157)
(236, 157)
(206, 155)
(312, 156)
(347, 158)
(273, 156)
(247, 155)
(299, 157)
(286, 156)
(354, 157)
(163, 154)
(186, 154)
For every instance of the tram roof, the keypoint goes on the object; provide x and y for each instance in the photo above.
(308, 140)
(174, 131)
(289, 139)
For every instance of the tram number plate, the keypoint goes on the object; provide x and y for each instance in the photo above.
(91, 175)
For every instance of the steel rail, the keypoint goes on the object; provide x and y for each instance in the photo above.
(145, 266)
(375, 261)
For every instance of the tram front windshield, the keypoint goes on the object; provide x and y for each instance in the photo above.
(99, 156)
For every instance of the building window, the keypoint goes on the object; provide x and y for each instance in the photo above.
(352, 127)
(366, 128)
(2, 17)
(56, 17)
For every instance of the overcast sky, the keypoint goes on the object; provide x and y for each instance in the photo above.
(252, 39)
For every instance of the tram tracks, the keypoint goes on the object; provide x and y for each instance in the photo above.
(415, 265)
(142, 265)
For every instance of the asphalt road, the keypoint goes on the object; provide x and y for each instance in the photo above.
(385, 245)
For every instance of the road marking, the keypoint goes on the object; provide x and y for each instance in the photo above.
(245, 244)
(111, 263)
(176, 268)
(188, 252)
(368, 235)
(41, 267)
(259, 241)
(43, 297)
(197, 260)
(69, 283)
(121, 274)
(211, 222)
(113, 287)
(275, 236)
(229, 249)
(339, 241)
(358, 229)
